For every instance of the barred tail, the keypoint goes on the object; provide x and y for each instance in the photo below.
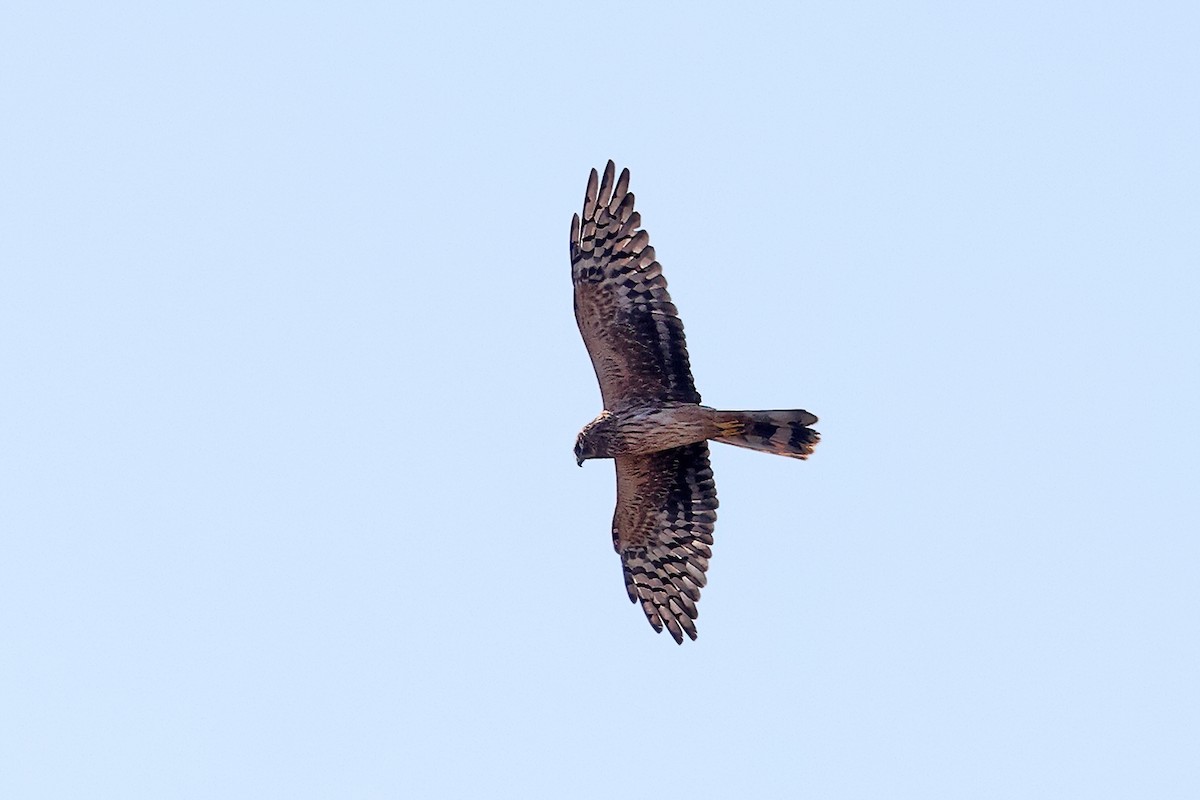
(785, 433)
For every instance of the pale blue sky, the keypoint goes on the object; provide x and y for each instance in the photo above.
(287, 495)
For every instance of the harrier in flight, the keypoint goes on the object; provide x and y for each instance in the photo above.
(653, 425)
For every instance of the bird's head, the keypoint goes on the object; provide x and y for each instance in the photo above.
(583, 448)
(592, 441)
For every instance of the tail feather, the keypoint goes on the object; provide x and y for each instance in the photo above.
(785, 433)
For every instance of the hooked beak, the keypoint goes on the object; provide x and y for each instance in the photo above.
(579, 460)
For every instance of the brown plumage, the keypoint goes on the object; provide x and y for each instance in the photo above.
(653, 425)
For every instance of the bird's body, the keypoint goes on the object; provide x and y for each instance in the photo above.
(648, 428)
(642, 429)
(654, 425)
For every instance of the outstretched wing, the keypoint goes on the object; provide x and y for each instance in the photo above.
(628, 322)
(662, 529)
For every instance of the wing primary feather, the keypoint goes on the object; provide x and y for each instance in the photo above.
(589, 197)
(639, 242)
(630, 225)
(620, 192)
(606, 183)
(652, 615)
(672, 625)
(624, 209)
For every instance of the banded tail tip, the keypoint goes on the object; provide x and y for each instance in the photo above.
(784, 433)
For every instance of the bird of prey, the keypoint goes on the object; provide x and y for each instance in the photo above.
(653, 424)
